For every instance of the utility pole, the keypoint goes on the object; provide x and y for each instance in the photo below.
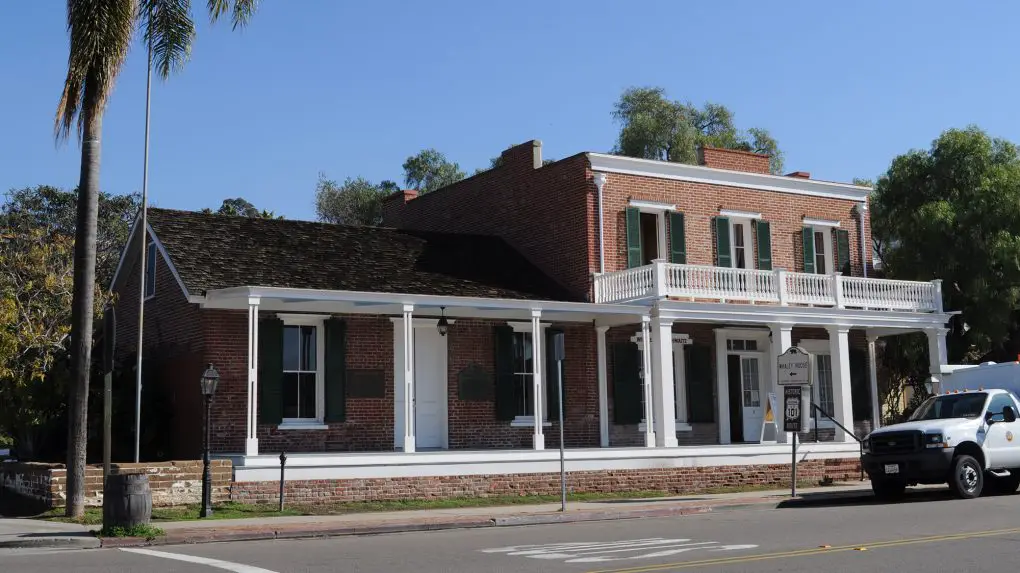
(144, 250)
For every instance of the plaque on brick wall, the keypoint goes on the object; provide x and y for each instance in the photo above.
(474, 384)
(366, 384)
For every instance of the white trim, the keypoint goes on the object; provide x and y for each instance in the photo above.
(651, 206)
(699, 174)
(813, 222)
(301, 425)
(750, 262)
(739, 214)
(830, 247)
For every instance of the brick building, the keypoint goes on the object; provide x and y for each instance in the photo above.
(672, 287)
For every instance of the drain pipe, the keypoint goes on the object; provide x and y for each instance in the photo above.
(600, 182)
(862, 209)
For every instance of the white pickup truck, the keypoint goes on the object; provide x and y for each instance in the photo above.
(968, 439)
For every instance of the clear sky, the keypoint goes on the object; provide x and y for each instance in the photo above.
(352, 88)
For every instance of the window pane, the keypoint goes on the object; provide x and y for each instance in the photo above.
(306, 396)
(308, 348)
(820, 267)
(528, 363)
(525, 395)
(824, 367)
(749, 367)
(291, 347)
(751, 344)
(290, 395)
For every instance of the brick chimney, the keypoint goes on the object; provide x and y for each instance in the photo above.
(733, 159)
(527, 155)
(800, 174)
(393, 206)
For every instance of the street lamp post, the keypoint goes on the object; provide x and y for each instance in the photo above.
(209, 380)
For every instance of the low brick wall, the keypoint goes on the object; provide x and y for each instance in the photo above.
(680, 481)
(171, 483)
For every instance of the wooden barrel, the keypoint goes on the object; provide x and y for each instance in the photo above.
(127, 500)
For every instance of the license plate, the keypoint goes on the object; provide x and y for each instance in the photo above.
(892, 468)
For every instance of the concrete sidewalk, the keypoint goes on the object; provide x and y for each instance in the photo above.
(21, 533)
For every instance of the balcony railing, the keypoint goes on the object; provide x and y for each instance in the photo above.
(696, 282)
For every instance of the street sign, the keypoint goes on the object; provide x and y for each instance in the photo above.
(792, 409)
(794, 367)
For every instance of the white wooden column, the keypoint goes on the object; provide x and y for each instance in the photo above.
(662, 384)
(937, 356)
(408, 340)
(876, 407)
(600, 338)
(251, 443)
(722, 388)
(782, 340)
(537, 366)
(646, 381)
(839, 353)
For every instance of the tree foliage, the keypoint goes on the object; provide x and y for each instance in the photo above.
(356, 201)
(654, 127)
(240, 207)
(429, 170)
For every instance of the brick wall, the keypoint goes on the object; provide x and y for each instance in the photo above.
(541, 211)
(171, 483)
(678, 481)
(733, 159)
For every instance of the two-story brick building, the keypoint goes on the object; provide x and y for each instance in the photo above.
(674, 288)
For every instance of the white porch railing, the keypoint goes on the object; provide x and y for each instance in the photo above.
(667, 280)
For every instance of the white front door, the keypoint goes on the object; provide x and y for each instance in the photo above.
(751, 397)
(430, 388)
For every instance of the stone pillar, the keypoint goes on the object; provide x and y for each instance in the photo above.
(722, 388)
(876, 406)
(839, 353)
(537, 365)
(646, 381)
(251, 444)
(662, 383)
(408, 338)
(600, 334)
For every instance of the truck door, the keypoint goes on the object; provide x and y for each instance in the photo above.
(1002, 439)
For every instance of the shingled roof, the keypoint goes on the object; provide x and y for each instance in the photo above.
(215, 251)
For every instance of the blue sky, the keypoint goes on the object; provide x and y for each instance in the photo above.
(352, 88)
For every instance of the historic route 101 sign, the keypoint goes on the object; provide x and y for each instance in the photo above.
(794, 367)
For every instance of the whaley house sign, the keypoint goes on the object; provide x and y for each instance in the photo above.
(794, 373)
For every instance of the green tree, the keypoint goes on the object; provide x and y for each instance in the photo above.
(429, 170)
(952, 212)
(240, 207)
(100, 34)
(654, 127)
(356, 201)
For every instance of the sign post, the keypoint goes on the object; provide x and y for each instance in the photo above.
(559, 353)
(794, 367)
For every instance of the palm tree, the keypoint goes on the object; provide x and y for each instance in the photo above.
(100, 37)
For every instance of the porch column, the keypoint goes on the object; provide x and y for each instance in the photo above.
(408, 379)
(646, 381)
(876, 407)
(662, 384)
(839, 352)
(537, 364)
(600, 338)
(937, 356)
(251, 443)
(722, 388)
(782, 340)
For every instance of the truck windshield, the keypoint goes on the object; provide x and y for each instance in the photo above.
(967, 405)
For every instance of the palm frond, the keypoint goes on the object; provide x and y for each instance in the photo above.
(241, 12)
(100, 35)
(169, 31)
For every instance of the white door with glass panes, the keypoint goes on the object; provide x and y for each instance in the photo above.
(751, 396)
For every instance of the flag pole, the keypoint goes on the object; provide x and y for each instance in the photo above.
(144, 250)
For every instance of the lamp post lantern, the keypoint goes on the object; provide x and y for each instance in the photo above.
(208, 383)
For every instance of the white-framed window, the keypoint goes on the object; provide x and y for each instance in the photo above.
(679, 380)
(823, 250)
(303, 355)
(741, 247)
(150, 270)
(524, 374)
(822, 390)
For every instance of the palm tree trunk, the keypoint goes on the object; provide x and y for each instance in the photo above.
(82, 309)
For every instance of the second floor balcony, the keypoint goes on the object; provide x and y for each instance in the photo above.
(661, 280)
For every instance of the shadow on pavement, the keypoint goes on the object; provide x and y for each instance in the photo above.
(863, 498)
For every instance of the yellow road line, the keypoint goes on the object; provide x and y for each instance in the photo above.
(810, 552)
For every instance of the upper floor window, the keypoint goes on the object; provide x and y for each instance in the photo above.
(737, 235)
(649, 237)
(150, 270)
(826, 247)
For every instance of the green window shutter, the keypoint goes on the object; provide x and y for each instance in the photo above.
(677, 239)
(271, 371)
(506, 406)
(700, 384)
(764, 232)
(843, 251)
(860, 384)
(552, 391)
(626, 384)
(723, 258)
(809, 250)
(336, 370)
(633, 237)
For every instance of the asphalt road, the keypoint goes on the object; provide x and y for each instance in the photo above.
(930, 533)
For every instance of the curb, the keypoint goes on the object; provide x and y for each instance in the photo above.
(84, 541)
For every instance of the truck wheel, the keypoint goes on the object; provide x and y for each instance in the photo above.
(966, 478)
(888, 490)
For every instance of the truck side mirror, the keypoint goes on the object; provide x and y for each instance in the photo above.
(1009, 414)
(990, 417)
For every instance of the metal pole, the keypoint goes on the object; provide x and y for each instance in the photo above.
(283, 464)
(141, 287)
(793, 468)
(563, 465)
(206, 475)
